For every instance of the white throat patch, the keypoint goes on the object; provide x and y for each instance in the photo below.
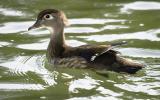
(50, 29)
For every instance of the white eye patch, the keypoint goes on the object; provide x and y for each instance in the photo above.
(48, 17)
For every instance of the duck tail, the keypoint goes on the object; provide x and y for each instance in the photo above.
(128, 65)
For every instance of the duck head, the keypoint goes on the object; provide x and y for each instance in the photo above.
(51, 19)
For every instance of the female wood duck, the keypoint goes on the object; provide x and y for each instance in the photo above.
(86, 56)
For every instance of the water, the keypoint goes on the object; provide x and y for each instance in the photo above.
(26, 75)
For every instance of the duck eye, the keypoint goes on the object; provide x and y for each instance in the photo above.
(48, 17)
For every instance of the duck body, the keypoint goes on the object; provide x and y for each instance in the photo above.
(94, 57)
(85, 56)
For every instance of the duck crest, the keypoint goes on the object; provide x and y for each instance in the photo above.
(47, 11)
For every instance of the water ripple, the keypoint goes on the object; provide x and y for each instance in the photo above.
(4, 44)
(95, 97)
(81, 30)
(108, 92)
(87, 83)
(94, 21)
(21, 65)
(140, 5)
(93, 30)
(14, 27)
(141, 87)
(11, 12)
(138, 52)
(144, 35)
(16, 86)
(43, 44)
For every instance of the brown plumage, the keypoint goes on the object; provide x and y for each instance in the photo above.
(86, 56)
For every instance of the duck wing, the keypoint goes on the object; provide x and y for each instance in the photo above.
(103, 57)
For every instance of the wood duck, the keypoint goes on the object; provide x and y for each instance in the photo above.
(85, 56)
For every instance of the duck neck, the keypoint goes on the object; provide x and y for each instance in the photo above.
(57, 43)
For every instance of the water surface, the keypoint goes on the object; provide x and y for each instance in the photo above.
(26, 75)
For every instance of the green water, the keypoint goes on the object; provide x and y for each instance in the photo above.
(26, 75)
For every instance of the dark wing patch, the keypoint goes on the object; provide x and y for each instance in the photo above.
(109, 49)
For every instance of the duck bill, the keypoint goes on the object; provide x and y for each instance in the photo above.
(37, 24)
